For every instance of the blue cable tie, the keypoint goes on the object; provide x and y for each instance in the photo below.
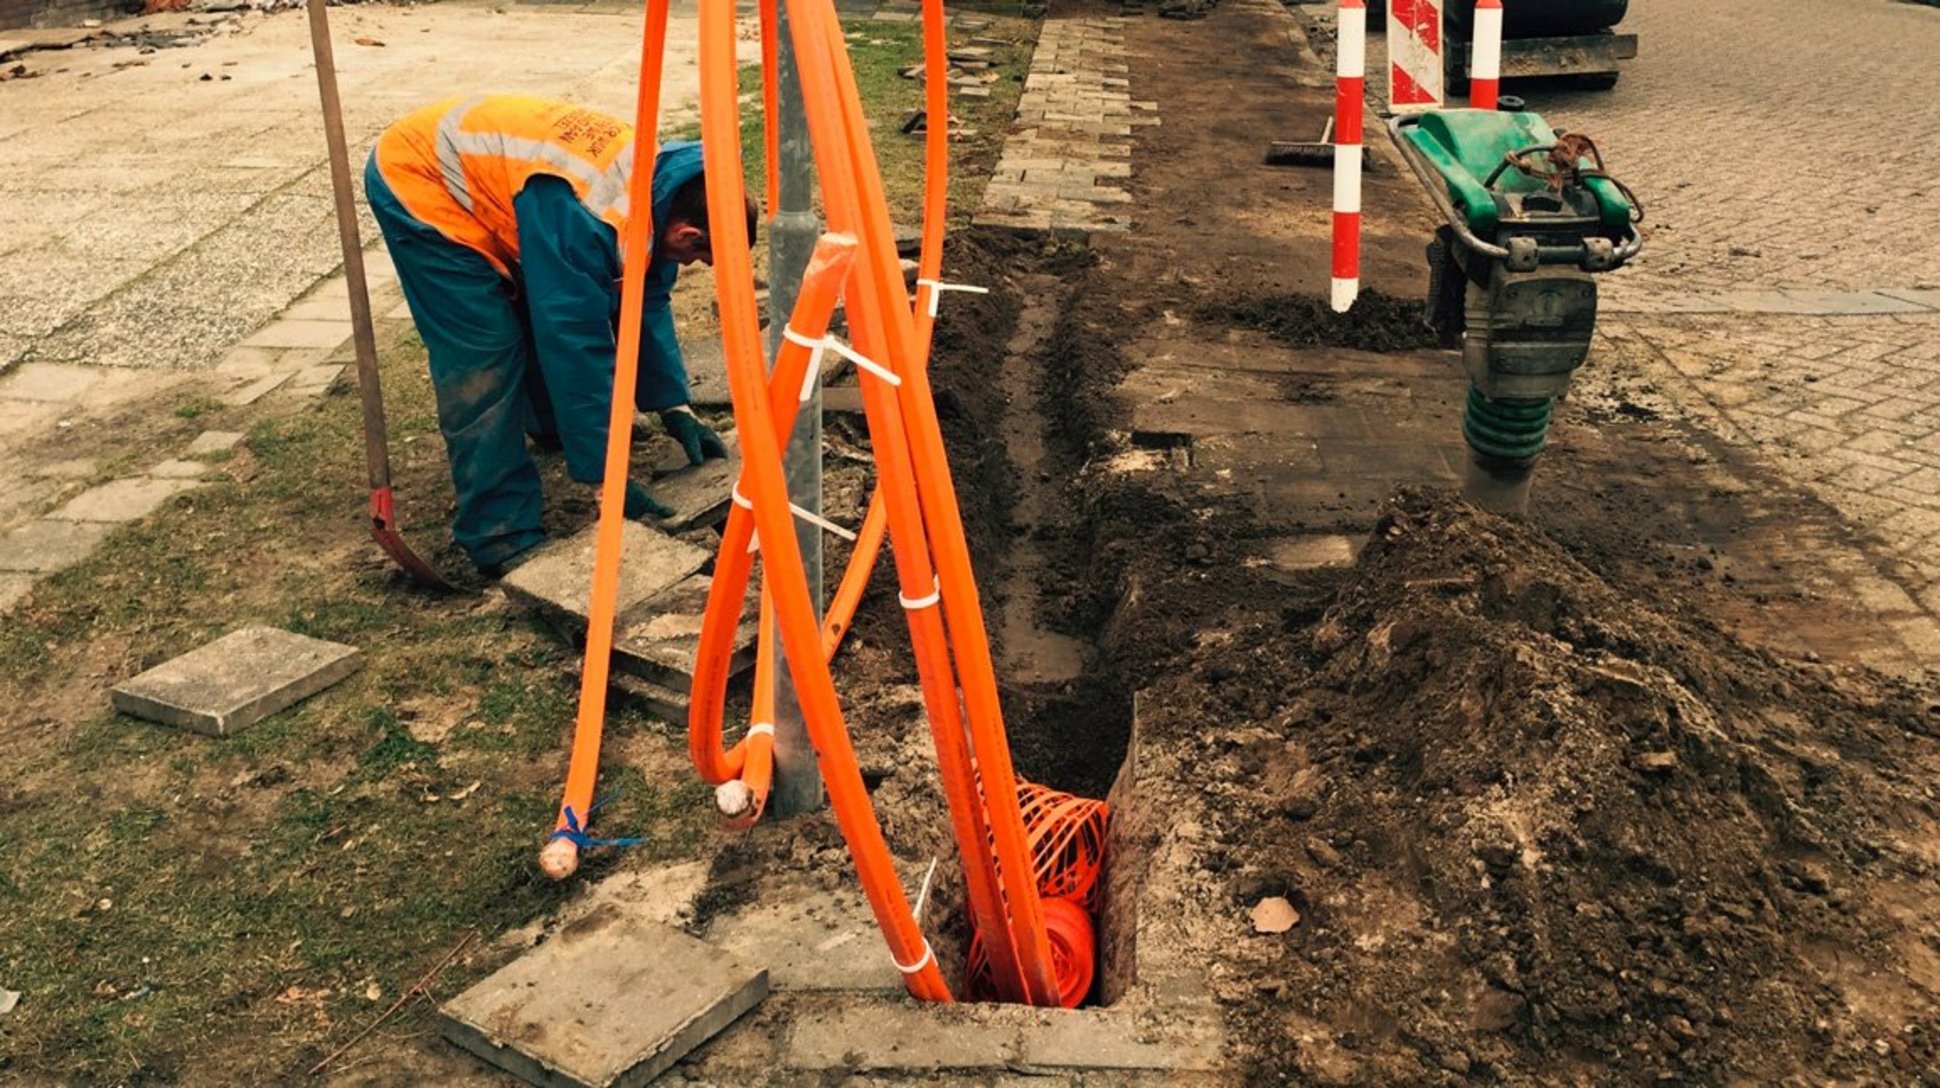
(578, 835)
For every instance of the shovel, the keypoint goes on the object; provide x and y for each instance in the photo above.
(377, 449)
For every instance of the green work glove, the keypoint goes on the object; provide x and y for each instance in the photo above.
(640, 505)
(697, 438)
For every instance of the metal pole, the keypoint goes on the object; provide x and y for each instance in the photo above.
(791, 239)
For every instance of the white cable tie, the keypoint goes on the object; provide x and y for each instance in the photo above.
(937, 287)
(924, 961)
(923, 893)
(761, 729)
(914, 603)
(754, 538)
(822, 523)
(863, 361)
(816, 346)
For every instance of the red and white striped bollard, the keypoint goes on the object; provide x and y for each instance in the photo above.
(1485, 61)
(1350, 93)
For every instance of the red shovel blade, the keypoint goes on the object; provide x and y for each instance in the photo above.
(383, 530)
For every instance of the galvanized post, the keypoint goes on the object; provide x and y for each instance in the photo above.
(792, 231)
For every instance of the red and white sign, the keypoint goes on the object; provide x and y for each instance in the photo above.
(1414, 55)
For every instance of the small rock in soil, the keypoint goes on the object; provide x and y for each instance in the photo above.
(1274, 915)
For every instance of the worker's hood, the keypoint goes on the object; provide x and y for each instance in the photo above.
(678, 163)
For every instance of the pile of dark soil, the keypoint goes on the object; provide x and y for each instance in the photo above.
(1543, 830)
(1377, 322)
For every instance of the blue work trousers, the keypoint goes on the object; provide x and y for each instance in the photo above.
(489, 392)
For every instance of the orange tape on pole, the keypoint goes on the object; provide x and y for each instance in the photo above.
(762, 475)
(560, 857)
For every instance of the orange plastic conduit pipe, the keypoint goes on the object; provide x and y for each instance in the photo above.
(843, 183)
(560, 856)
(762, 475)
(886, 332)
(828, 266)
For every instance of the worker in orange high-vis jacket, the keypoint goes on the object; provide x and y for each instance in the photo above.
(503, 215)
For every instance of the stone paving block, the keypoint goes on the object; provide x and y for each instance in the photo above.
(557, 582)
(248, 363)
(1927, 299)
(121, 500)
(1302, 553)
(1108, 1039)
(318, 309)
(48, 382)
(178, 470)
(14, 589)
(209, 442)
(313, 380)
(813, 939)
(78, 468)
(699, 494)
(256, 390)
(43, 547)
(300, 334)
(657, 638)
(607, 1001)
(237, 680)
(900, 1037)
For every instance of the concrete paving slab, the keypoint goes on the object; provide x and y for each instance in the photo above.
(121, 500)
(255, 390)
(42, 547)
(78, 468)
(557, 582)
(609, 1000)
(211, 442)
(1302, 553)
(237, 680)
(48, 382)
(288, 333)
(699, 494)
(656, 639)
(812, 939)
(173, 469)
(658, 700)
(312, 380)
(1927, 299)
(13, 590)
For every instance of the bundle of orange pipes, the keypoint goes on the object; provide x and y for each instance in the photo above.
(1029, 887)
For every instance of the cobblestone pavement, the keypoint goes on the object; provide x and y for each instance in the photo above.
(166, 232)
(1790, 285)
(1072, 135)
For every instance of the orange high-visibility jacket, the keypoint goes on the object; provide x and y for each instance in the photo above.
(457, 164)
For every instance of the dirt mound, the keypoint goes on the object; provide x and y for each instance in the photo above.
(1542, 830)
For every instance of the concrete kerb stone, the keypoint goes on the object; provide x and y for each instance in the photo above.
(287, 333)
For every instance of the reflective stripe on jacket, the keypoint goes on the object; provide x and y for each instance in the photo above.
(457, 165)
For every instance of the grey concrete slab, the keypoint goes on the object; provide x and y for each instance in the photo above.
(42, 547)
(121, 500)
(812, 939)
(557, 582)
(659, 700)
(656, 639)
(212, 442)
(1928, 299)
(173, 469)
(48, 382)
(237, 680)
(13, 590)
(256, 390)
(608, 1001)
(699, 494)
(294, 333)
(1301, 553)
